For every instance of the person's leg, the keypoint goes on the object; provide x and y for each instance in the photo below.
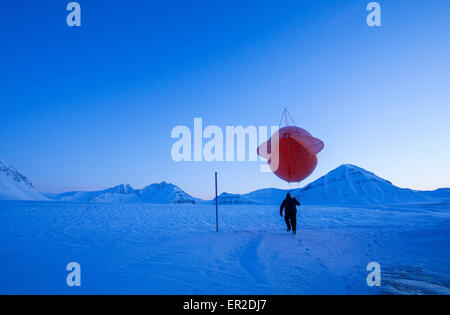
(286, 218)
(294, 223)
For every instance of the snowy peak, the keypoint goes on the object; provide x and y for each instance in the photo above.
(162, 193)
(350, 171)
(15, 186)
(352, 185)
(347, 185)
(122, 189)
(120, 193)
(234, 199)
(268, 196)
(11, 173)
(117, 194)
(165, 193)
(161, 186)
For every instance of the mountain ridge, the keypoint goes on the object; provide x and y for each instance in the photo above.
(15, 186)
(159, 193)
(346, 185)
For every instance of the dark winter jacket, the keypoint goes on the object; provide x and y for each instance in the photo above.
(290, 205)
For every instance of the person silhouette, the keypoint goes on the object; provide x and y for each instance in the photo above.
(290, 206)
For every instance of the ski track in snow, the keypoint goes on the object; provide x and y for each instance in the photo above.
(173, 249)
(250, 261)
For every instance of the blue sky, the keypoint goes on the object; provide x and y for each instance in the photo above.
(92, 107)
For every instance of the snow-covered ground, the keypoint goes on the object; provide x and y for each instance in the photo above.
(173, 249)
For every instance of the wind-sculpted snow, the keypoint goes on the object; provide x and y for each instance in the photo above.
(173, 249)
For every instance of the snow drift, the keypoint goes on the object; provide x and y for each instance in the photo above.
(174, 249)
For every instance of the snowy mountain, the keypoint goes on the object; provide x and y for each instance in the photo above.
(352, 185)
(162, 193)
(165, 193)
(346, 185)
(15, 186)
(268, 196)
(443, 193)
(119, 193)
(231, 199)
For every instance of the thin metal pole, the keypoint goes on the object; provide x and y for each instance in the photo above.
(217, 209)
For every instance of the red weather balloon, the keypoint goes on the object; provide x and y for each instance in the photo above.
(291, 153)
